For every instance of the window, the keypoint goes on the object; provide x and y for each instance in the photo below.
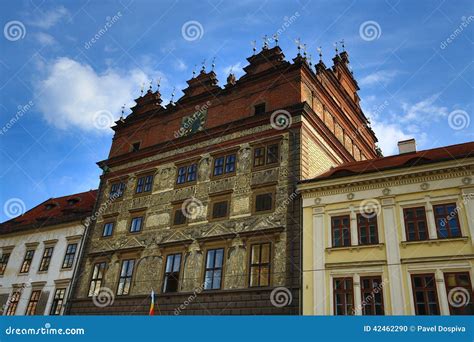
(264, 202)
(4, 262)
(224, 165)
(116, 190)
(371, 289)
(425, 296)
(69, 256)
(108, 229)
(58, 301)
(220, 209)
(447, 222)
(171, 279)
(144, 184)
(97, 277)
(459, 292)
(179, 218)
(343, 296)
(186, 174)
(213, 274)
(125, 280)
(13, 303)
(135, 147)
(260, 265)
(136, 224)
(367, 229)
(46, 260)
(265, 155)
(33, 303)
(341, 231)
(415, 224)
(259, 109)
(25, 266)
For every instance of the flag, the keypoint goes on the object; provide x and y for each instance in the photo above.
(152, 304)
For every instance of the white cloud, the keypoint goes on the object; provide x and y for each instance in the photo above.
(382, 77)
(389, 135)
(45, 39)
(48, 19)
(423, 111)
(180, 65)
(71, 93)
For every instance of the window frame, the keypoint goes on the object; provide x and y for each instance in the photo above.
(97, 279)
(415, 220)
(260, 265)
(27, 261)
(415, 289)
(370, 292)
(463, 310)
(186, 166)
(366, 226)
(146, 187)
(347, 310)
(13, 302)
(58, 302)
(259, 106)
(224, 157)
(263, 191)
(168, 274)
(265, 146)
(109, 222)
(33, 302)
(46, 259)
(341, 229)
(213, 200)
(447, 226)
(121, 185)
(4, 263)
(178, 207)
(127, 279)
(214, 269)
(134, 217)
(69, 256)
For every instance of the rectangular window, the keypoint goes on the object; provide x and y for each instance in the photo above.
(186, 174)
(415, 224)
(34, 298)
(220, 209)
(224, 165)
(341, 231)
(144, 184)
(97, 277)
(13, 303)
(447, 221)
(125, 280)
(178, 216)
(260, 255)
(135, 147)
(70, 255)
(171, 278)
(213, 274)
(425, 295)
(259, 109)
(108, 229)
(371, 289)
(136, 224)
(458, 286)
(266, 155)
(4, 262)
(264, 202)
(367, 229)
(343, 296)
(116, 190)
(46, 260)
(58, 302)
(25, 266)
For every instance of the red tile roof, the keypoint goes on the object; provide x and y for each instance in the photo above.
(435, 155)
(57, 210)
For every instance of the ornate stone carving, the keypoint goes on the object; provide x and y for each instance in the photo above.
(265, 176)
(204, 168)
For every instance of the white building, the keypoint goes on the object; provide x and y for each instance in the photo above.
(38, 255)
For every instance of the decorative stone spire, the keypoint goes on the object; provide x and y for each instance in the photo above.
(230, 80)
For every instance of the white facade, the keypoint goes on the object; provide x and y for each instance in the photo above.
(55, 277)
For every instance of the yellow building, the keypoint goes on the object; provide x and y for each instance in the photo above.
(391, 235)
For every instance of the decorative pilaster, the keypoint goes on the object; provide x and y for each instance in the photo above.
(319, 298)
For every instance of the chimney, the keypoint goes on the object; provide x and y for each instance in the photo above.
(406, 146)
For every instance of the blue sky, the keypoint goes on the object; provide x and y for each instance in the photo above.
(67, 67)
